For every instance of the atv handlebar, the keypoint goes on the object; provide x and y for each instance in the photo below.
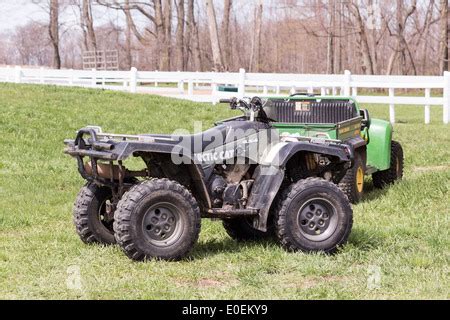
(254, 104)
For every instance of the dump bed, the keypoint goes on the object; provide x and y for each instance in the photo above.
(322, 117)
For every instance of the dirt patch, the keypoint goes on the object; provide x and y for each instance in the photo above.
(208, 283)
(307, 282)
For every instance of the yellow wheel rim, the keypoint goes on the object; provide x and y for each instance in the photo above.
(359, 179)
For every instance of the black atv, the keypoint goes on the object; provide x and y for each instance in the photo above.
(243, 170)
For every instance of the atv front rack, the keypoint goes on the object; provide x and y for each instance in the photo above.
(93, 143)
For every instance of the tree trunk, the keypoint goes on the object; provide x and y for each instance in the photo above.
(180, 48)
(192, 40)
(163, 19)
(215, 45)
(255, 60)
(54, 32)
(443, 37)
(225, 33)
(330, 42)
(128, 56)
(363, 40)
(167, 19)
(88, 25)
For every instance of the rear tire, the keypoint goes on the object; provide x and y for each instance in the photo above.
(313, 215)
(157, 218)
(387, 177)
(89, 215)
(352, 184)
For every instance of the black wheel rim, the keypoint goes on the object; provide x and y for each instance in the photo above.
(317, 219)
(106, 219)
(162, 224)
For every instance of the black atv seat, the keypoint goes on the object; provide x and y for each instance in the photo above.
(214, 137)
(311, 111)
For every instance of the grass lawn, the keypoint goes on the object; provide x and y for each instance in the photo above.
(399, 246)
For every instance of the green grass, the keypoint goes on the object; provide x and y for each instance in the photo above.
(402, 231)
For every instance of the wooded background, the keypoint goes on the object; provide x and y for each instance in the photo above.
(408, 37)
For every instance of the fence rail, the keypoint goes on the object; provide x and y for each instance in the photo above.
(204, 86)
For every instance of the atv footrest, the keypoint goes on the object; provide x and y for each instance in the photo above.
(226, 213)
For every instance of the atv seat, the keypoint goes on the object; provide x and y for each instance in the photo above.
(214, 137)
(311, 111)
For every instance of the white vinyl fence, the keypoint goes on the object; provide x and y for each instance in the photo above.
(205, 86)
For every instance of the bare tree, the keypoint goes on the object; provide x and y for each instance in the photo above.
(54, 32)
(363, 41)
(225, 33)
(308, 36)
(331, 35)
(87, 25)
(443, 37)
(401, 48)
(163, 21)
(192, 39)
(255, 60)
(215, 45)
(180, 47)
(128, 34)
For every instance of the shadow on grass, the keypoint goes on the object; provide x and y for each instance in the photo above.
(209, 248)
(364, 241)
(360, 239)
(371, 193)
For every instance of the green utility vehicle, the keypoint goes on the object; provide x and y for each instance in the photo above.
(341, 119)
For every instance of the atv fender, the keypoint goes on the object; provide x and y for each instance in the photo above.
(269, 175)
(379, 146)
(280, 153)
(267, 183)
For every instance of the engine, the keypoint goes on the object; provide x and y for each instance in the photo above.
(230, 186)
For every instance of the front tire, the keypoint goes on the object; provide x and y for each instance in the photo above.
(92, 222)
(352, 184)
(387, 177)
(313, 215)
(159, 219)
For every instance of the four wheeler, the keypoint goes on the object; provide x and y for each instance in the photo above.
(279, 168)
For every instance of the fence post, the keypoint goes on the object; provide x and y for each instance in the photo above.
(323, 91)
(94, 78)
(41, 75)
(241, 86)
(354, 92)
(71, 77)
(446, 112)
(17, 74)
(214, 92)
(347, 81)
(391, 105)
(427, 105)
(156, 78)
(133, 80)
(190, 88)
(292, 90)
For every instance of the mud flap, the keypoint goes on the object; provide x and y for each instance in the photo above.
(267, 183)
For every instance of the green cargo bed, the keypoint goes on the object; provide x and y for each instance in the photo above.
(340, 131)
